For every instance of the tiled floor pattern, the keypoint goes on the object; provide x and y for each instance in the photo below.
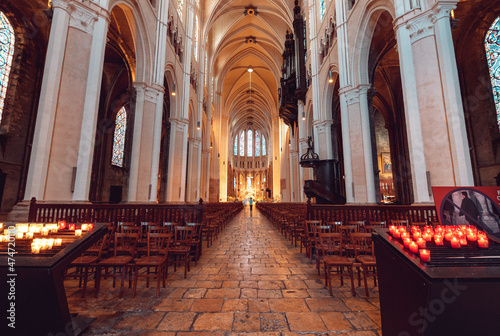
(250, 282)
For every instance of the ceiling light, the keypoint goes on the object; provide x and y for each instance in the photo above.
(250, 69)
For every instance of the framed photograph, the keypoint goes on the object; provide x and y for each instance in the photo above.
(386, 163)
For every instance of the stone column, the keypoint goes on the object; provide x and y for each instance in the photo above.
(177, 160)
(412, 114)
(367, 143)
(42, 139)
(158, 78)
(462, 166)
(90, 109)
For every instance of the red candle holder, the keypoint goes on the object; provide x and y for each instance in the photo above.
(406, 242)
(421, 243)
(413, 247)
(72, 227)
(425, 255)
(455, 242)
(483, 242)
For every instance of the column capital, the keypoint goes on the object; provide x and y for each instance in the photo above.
(82, 16)
(420, 27)
(442, 10)
(351, 95)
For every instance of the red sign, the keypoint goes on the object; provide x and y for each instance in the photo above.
(469, 206)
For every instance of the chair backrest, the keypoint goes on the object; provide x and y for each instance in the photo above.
(308, 226)
(331, 243)
(347, 230)
(197, 229)
(373, 225)
(100, 247)
(126, 243)
(184, 235)
(359, 224)
(318, 229)
(159, 229)
(158, 243)
(335, 226)
(129, 229)
(419, 223)
(363, 244)
(170, 225)
(399, 222)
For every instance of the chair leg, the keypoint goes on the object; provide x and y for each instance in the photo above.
(97, 280)
(122, 280)
(365, 276)
(136, 279)
(85, 279)
(351, 272)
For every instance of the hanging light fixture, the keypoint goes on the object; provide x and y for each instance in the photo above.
(330, 76)
(303, 116)
(173, 89)
(198, 125)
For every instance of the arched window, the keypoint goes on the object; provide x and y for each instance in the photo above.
(242, 143)
(236, 145)
(7, 39)
(195, 38)
(249, 143)
(322, 9)
(263, 145)
(180, 7)
(257, 143)
(119, 137)
(492, 45)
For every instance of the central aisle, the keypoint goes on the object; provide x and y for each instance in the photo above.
(251, 280)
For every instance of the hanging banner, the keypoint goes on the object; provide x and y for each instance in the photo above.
(469, 206)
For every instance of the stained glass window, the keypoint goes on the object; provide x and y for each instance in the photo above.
(180, 7)
(195, 38)
(322, 9)
(236, 145)
(263, 145)
(119, 137)
(7, 39)
(242, 143)
(249, 143)
(492, 45)
(257, 143)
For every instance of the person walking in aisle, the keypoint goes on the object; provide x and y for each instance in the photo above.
(250, 201)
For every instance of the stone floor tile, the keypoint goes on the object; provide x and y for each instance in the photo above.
(335, 321)
(326, 304)
(270, 293)
(246, 322)
(177, 321)
(305, 321)
(288, 305)
(207, 305)
(231, 284)
(144, 321)
(223, 293)
(258, 305)
(358, 303)
(175, 305)
(360, 320)
(294, 293)
(213, 322)
(235, 305)
(273, 322)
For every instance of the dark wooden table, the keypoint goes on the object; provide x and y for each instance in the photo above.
(32, 287)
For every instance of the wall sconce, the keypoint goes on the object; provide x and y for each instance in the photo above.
(218, 155)
(330, 76)
(173, 89)
(289, 141)
(198, 125)
(303, 116)
(210, 144)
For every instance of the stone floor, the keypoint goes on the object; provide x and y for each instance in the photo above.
(251, 281)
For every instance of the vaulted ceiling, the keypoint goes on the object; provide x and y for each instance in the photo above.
(243, 34)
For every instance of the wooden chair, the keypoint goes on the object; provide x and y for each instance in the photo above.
(124, 251)
(420, 224)
(157, 258)
(196, 245)
(319, 229)
(336, 265)
(346, 231)
(308, 237)
(180, 250)
(86, 263)
(365, 255)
